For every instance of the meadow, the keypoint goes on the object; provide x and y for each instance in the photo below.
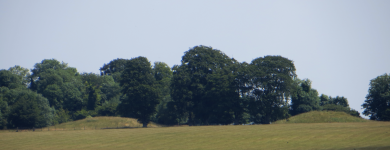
(312, 130)
(360, 135)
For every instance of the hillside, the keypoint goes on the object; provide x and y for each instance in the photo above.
(100, 122)
(322, 117)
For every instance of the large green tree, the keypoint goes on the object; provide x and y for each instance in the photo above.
(203, 86)
(30, 110)
(19, 106)
(141, 98)
(9, 82)
(271, 83)
(377, 103)
(60, 84)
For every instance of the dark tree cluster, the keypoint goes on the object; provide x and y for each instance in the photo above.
(208, 87)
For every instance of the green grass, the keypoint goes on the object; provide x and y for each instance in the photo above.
(322, 117)
(98, 123)
(357, 135)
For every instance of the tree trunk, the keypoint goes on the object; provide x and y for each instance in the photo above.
(144, 124)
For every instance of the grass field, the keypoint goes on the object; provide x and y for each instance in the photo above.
(362, 135)
(322, 117)
(98, 123)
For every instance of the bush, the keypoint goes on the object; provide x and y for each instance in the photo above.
(61, 116)
(82, 114)
(333, 107)
(108, 108)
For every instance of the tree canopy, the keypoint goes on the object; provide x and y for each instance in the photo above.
(304, 98)
(377, 103)
(141, 98)
(271, 81)
(208, 87)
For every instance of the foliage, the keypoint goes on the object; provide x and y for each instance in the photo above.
(20, 107)
(23, 73)
(114, 68)
(4, 111)
(337, 104)
(342, 101)
(203, 86)
(141, 98)
(30, 110)
(10, 80)
(72, 96)
(271, 82)
(208, 87)
(61, 116)
(334, 107)
(108, 108)
(59, 83)
(304, 98)
(377, 103)
(93, 97)
(163, 75)
(324, 99)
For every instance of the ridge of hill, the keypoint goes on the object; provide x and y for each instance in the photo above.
(101, 122)
(322, 117)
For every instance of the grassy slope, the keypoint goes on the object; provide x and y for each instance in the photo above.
(322, 117)
(362, 135)
(99, 122)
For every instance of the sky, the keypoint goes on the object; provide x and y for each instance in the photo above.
(340, 45)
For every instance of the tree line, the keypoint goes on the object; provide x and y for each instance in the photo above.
(208, 87)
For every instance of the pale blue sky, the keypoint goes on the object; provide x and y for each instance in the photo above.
(338, 44)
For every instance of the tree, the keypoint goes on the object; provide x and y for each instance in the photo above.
(271, 82)
(141, 98)
(203, 86)
(324, 99)
(101, 94)
(23, 73)
(114, 68)
(377, 103)
(304, 98)
(93, 97)
(10, 80)
(163, 75)
(181, 95)
(4, 111)
(339, 101)
(62, 85)
(72, 96)
(49, 77)
(243, 87)
(30, 110)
